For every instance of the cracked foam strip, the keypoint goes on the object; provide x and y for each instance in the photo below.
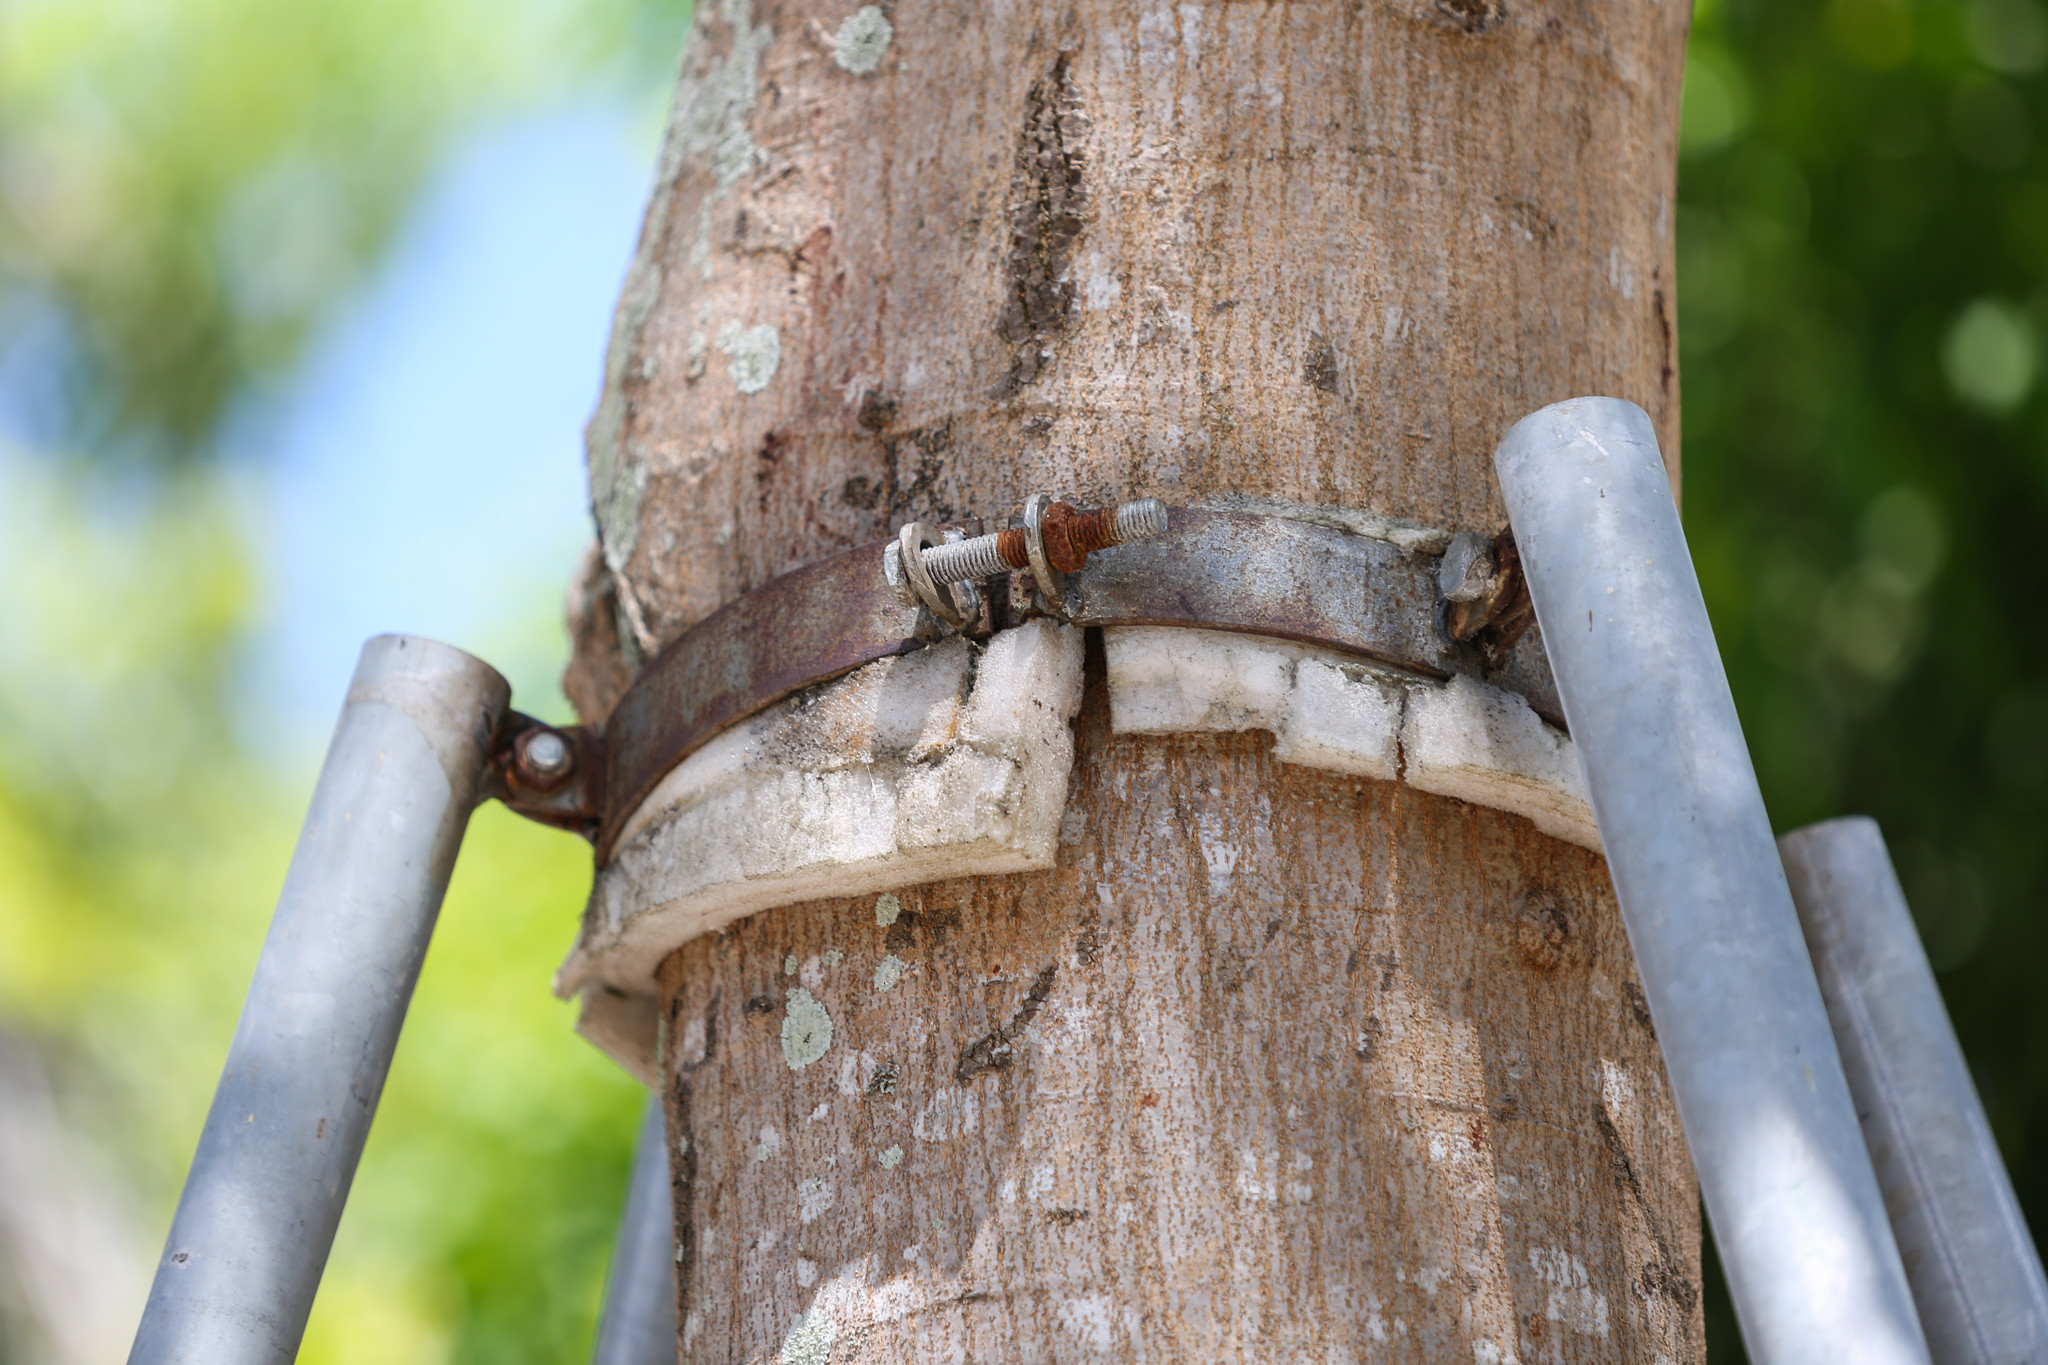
(948, 762)
(1462, 739)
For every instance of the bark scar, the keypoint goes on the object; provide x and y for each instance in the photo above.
(1473, 16)
(1319, 365)
(1664, 329)
(678, 1136)
(1047, 200)
(996, 1051)
(913, 465)
(1662, 1277)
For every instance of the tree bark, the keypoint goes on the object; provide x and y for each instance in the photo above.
(1275, 1064)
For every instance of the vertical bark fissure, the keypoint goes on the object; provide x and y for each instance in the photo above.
(679, 1124)
(1664, 1275)
(1048, 198)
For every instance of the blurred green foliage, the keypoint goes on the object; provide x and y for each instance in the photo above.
(187, 186)
(1863, 284)
(142, 851)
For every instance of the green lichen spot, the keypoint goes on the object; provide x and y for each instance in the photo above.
(789, 965)
(806, 1030)
(890, 1158)
(861, 40)
(833, 957)
(887, 908)
(888, 973)
(809, 1341)
(755, 352)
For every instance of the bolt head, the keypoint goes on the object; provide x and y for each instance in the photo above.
(545, 758)
(1468, 568)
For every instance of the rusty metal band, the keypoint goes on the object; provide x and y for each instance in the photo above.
(1230, 571)
(804, 628)
(1265, 575)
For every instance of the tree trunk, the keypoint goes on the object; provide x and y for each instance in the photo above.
(1276, 1064)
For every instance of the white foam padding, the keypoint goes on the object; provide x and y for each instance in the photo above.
(1324, 711)
(954, 760)
(625, 1028)
(1463, 739)
(950, 761)
(1485, 745)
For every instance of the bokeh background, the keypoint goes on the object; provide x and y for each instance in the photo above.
(301, 310)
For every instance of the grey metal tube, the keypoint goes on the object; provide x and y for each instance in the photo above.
(639, 1322)
(308, 1060)
(1789, 1191)
(1975, 1273)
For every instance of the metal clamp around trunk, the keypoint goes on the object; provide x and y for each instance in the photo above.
(1252, 573)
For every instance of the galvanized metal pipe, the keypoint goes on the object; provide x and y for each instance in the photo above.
(1975, 1274)
(309, 1057)
(639, 1322)
(1794, 1206)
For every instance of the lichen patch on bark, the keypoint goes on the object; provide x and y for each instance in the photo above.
(809, 1341)
(889, 973)
(755, 353)
(860, 42)
(806, 1030)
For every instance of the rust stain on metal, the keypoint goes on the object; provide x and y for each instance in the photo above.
(1071, 534)
(1231, 571)
(804, 628)
(571, 799)
(1500, 617)
(1265, 575)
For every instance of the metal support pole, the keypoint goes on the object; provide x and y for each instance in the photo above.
(639, 1322)
(1794, 1206)
(1975, 1274)
(308, 1061)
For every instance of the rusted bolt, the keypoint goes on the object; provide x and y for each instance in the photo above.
(543, 759)
(1468, 568)
(1486, 599)
(1069, 536)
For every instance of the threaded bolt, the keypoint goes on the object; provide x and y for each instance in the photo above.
(1071, 536)
(966, 560)
(1144, 519)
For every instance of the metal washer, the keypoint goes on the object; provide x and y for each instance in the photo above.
(911, 543)
(1050, 586)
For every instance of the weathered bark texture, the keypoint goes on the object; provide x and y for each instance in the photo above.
(1276, 1065)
